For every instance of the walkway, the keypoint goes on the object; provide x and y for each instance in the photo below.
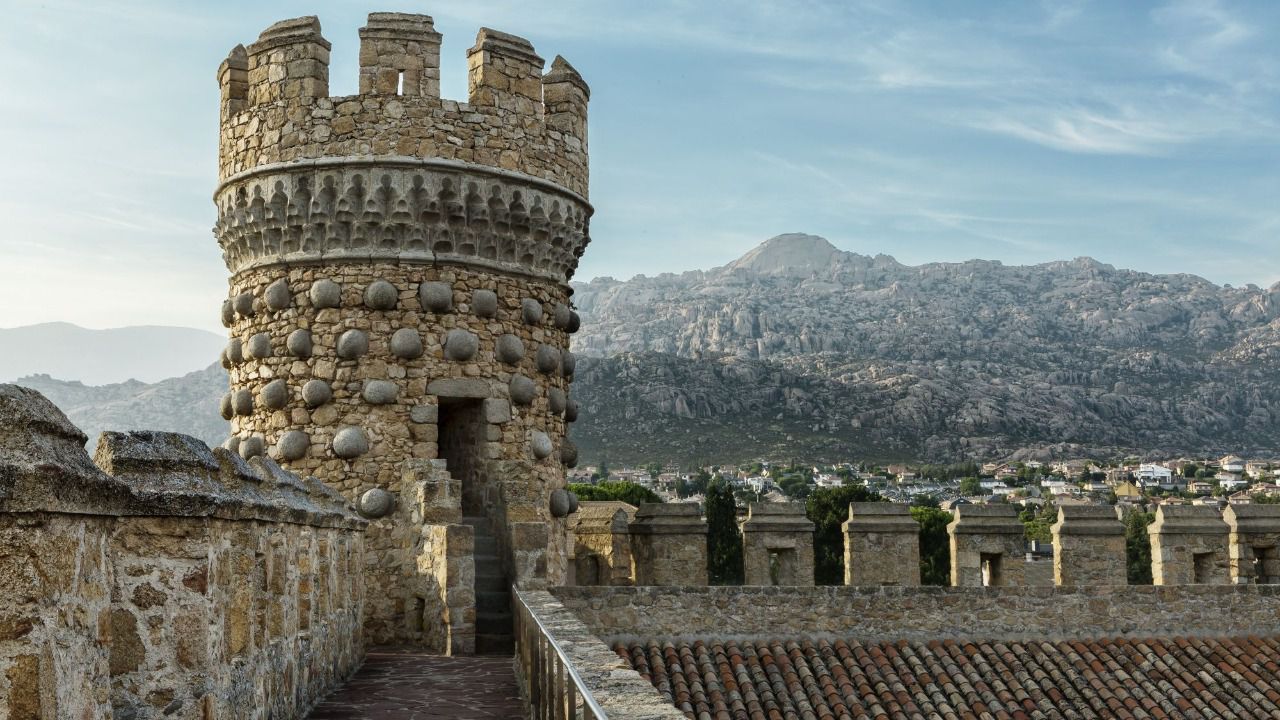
(405, 685)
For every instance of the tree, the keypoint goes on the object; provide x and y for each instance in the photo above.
(1190, 470)
(1036, 524)
(626, 492)
(935, 545)
(795, 487)
(971, 486)
(1138, 546)
(602, 471)
(724, 540)
(828, 508)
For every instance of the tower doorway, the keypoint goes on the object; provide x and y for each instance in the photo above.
(460, 437)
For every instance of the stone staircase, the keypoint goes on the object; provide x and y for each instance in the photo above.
(493, 594)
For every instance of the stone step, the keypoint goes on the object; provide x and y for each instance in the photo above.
(486, 546)
(493, 601)
(487, 644)
(487, 582)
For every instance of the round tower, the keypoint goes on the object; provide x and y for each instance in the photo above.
(399, 308)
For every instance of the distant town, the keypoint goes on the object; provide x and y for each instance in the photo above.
(1198, 481)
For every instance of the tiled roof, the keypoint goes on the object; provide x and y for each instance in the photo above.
(957, 680)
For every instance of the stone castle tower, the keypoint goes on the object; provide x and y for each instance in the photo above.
(399, 308)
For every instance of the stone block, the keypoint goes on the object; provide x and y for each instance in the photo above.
(881, 545)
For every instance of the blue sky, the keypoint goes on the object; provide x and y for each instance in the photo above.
(1146, 135)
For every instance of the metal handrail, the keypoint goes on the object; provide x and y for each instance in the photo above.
(561, 677)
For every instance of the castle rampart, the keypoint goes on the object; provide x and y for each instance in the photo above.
(167, 580)
(399, 294)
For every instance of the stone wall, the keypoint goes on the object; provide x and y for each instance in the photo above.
(399, 289)
(987, 546)
(1189, 544)
(602, 545)
(922, 613)
(1088, 546)
(1254, 537)
(881, 545)
(777, 545)
(669, 545)
(167, 580)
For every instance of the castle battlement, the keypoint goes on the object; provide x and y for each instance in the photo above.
(276, 105)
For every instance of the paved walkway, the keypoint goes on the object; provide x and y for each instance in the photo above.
(404, 685)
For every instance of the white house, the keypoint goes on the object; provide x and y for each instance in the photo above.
(1150, 474)
(1232, 464)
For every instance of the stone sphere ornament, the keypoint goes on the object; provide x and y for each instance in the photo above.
(568, 364)
(540, 444)
(275, 394)
(523, 390)
(461, 344)
(316, 393)
(225, 409)
(560, 315)
(381, 295)
(571, 410)
(293, 445)
(232, 444)
(299, 344)
(376, 503)
(406, 344)
(509, 349)
(556, 400)
(484, 303)
(242, 401)
(573, 502)
(568, 454)
(235, 351)
(547, 359)
(531, 311)
(252, 446)
(260, 346)
(326, 294)
(575, 323)
(560, 503)
(380, 392)
(353, 344)
(350, 442)
(278, 296)
(228, 313)
(243, 305)
(436, 296)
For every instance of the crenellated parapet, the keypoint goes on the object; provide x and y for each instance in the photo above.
(397, 172)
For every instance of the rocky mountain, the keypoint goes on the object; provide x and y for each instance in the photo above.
(187, 404)
(97, 357)
(800, 348)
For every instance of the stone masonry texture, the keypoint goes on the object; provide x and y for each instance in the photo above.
(388, 251)
(881, 545)
(164, 579)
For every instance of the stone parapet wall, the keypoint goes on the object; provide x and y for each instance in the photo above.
(881, 545)
(1189, 544)
(987, 546)
(777, 545)
(1088, 546)
(276, 105)
(602, 545)
(669, 545)
(167, 580)
(922, 613)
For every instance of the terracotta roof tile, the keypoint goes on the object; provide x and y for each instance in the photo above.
(1150, 678)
